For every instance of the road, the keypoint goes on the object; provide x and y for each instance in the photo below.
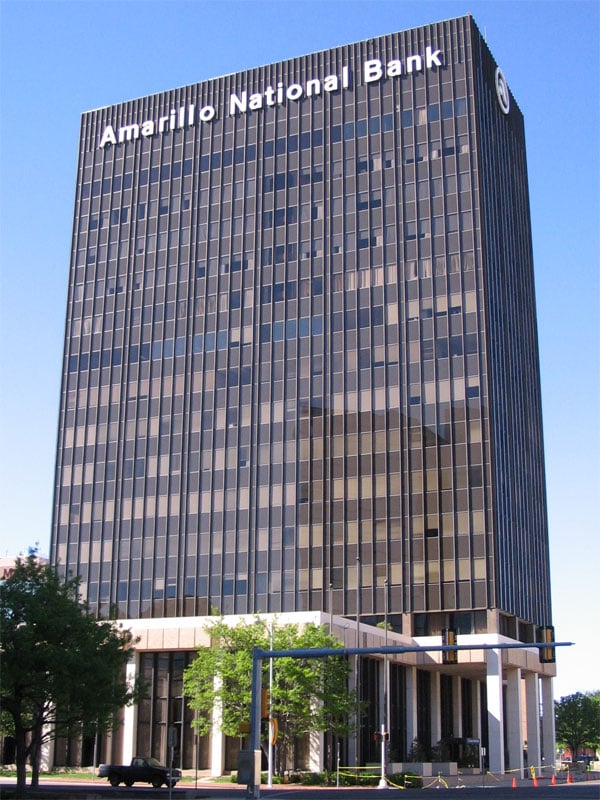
(52, 789)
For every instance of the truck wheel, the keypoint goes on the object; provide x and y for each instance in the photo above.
(113, 780)
(128, 781)
(157, 783)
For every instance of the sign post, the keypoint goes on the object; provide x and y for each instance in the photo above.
(172, 741)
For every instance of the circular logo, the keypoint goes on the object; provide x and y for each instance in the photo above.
(502, 91)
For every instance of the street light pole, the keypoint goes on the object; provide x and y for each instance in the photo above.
(270, 773)
(357, 666)
(383, 784)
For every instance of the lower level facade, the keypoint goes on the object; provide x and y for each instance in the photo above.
(493, 708)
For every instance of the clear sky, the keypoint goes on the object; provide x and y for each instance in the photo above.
(59, 59)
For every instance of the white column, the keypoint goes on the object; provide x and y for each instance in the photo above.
(548, 732)
(476, 704)
(129, 716)
(457, 720)
(217, 752)
(514, 717)
(411, 707)
(532, 709)
(436, 709)
(494, 704)
(47, 754)
(316, 753)
(217, 740)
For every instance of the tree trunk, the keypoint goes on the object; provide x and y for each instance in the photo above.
(21, 758)
(34, 760)
(574, 748)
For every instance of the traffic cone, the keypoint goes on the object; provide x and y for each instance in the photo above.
(514, 783)
(553, 781)
(535, 781)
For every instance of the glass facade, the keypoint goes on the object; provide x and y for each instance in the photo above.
(300, 347)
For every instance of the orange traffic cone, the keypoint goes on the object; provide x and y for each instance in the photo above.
(535, 781)
(514, 783)
(553, 781)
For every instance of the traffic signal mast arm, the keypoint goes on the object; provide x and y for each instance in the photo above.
(258, 654)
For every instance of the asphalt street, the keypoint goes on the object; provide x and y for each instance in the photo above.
(68, 790)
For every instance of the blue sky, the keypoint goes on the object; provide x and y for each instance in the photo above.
(58, 59)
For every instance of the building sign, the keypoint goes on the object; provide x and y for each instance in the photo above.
(502, 92)
(372, 71)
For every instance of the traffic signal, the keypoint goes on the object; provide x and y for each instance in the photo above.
(379, 736)
(449, 638)
(265, 704)
(547, 654)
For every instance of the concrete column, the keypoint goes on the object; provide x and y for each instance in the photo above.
(532, 709)
(548, 732)
(436, 709)
(130, 717)
(217, 741)
(217, 752)
(514, 717)
(316, 751)
(495, 711)
(411, 707)
(457, 720)
(476, 704)
(47, 754)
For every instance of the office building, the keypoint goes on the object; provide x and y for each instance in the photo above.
(301, 375)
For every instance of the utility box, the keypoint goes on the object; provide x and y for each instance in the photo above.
(249, 767)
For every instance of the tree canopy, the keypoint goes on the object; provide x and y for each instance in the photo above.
(578, 721)
(63, 670)
(308, 695)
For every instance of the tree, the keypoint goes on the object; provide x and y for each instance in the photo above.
(221, 675)
(308, 694)
(578, 721)
(63, 670)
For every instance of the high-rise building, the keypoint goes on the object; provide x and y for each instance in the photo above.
(301, 375)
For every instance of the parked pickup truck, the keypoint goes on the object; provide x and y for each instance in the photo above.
(141, 770)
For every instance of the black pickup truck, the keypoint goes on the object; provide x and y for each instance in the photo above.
(141, 770)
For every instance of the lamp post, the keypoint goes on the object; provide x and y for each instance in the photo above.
(270, 772)
(357, 666)
(383, 784)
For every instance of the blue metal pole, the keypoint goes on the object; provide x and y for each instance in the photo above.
(257, 662)
(258, 654)
(324, 652)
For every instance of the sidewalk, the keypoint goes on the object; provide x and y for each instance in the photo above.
(489, 780)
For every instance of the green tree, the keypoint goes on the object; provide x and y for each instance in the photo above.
(63, 671)
(308, 695)
(578, 721)
(221, 676)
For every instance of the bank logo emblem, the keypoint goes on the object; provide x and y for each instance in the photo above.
(502, 91)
